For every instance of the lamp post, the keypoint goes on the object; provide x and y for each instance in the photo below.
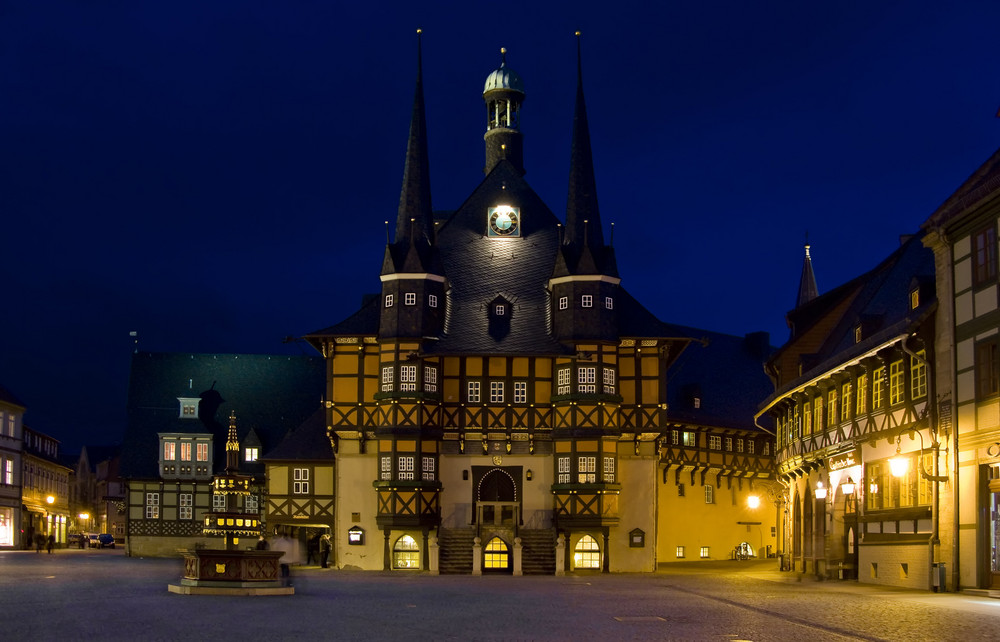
(848, 488)
(776, 495)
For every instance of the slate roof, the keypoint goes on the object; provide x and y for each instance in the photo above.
(983, 182)
(271, 394)
(726, 373)
(881, 306)
(308, 441)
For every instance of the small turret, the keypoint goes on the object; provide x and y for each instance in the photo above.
(807, 282)
(503, 93)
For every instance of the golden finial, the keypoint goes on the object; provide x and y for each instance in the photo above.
(420, 31)
(577, 34)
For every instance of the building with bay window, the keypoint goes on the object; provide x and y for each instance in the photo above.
(11, 470)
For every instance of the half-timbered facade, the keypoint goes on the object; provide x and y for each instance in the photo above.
(502, 404)
(180, 407)
(853, 392)
(963, 235)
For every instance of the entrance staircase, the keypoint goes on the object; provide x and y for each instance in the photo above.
(456, 550)
(538, 552)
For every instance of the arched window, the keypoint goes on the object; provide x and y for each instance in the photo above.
(497, 556)
(406, 553)
(587, 553)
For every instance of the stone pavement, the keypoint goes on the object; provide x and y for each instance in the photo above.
(103, 595)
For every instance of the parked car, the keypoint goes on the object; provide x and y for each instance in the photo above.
(76, 540)
(92, 541)
(105, 540)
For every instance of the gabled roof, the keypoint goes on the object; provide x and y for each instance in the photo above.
(725, 373)
(270, 394)
(983, 182)
(308, 441)
(364, 322)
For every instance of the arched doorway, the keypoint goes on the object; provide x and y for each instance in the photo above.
(497, 556)
(496, 498)
(587, 554)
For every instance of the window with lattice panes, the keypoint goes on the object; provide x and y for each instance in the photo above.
(609, 381)
(152, 505)
(564, 472)
(586, 470)
(410, 298)
(609, 469)
(406, 553)
(675, 437)
(690, 438)
(609, 303)
(750, 446)
(845, 402)
(251, 504)
(878, 385)
(587, 553)
(427, 468)
(405, 467)
(432, 300)
(587, 301)
(918, 376)
(185, 451)
(586, 379)
(729, 444)
(250, 454)
(862, 395)
(387, 378)
(562, 381)
(739, 445)
(715, 442)
(496, 392)
(218, 502)
(385, 467)
(202, 451)
(520, 392)
(300, 481)
(563, 302)
(704, 552)
(388, 300)
(709, 494)
(185, 506)
(474, 392)
(831, 409)
(430, 379)
(679, 552)
(896, 382)
(408, 378)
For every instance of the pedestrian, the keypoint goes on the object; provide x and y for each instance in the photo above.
(312, 549)
(39, 542)
(261, 543)
(324, 550)
(50, 543)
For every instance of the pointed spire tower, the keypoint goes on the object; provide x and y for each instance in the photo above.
(412, 285)
(807, 282)
(585, 277)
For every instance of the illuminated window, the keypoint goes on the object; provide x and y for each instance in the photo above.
(704, 552)
(188, 409)
(690, 438)
(202, 451)
(739, 445)
(895, 382)
(432, 300)
(169, 451)
(520, 392)
(300, 481)
(918, 376)
(563, 302)
(586, 301)
(185, 451)
(729, 444)
(250, 454)
(675, 437)
(406, 553)
(8, 472)
(857, 334)
(496, 392)
(408, 378)
(609, 470)
(845, 402)
(862, 395)
(586, 379)
(563, 463)
(709, 494)
(427, 464)
(586, 469)
(679, 552)
(388, 300)
(406, 468)
(152, 505)
(587, 553)
(410, 298)
(714, 442)
(750, 446)
(878, 385)
(807, 414)
(387, 378)
(562, 381)
(185, 505)
(914, 299)
(430, 379)
(386, 467)
(474, 392)
(496, 555)
(609, 381)
(831, 409)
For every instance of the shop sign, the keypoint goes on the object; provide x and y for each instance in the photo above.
(844, 460)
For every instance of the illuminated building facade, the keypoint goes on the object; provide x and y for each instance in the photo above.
(45, 493)
(11, 448)
(854, 391)
(503, 404)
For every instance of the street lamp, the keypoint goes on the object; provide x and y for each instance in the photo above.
(847, 487)
(753, 502)
(820, 490)
(50, 500)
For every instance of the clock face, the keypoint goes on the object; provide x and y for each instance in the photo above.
(504, 221)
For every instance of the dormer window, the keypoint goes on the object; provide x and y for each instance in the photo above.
(857, 333)
(500, 310)
(914, 298)
(697, 402)
(250, 454)
(189, 407)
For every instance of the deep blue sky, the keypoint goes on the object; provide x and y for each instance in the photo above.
(215, 175)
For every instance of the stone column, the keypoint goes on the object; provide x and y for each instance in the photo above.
(477, 556)
(435, 555)
(561, 554)
(517, 556)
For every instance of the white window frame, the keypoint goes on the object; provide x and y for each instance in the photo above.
(704, 552)
(586, 300)
(218, 502)
(563, 302)
(427, 468)
(201, 451)
(564, 471)
(432, 300)
(609, 303)
(405, 467)
(251, 504)
(408, 378)
(586, 379)
(250, 454)
(152, 506)
(389, 300)
(185, 506)
(714, 442)
(430, 378)
(388, 374)
(520, 392)
(609, 381)
(586, 469)
(709, 494)
(609, 469)
(496, 392)
(500, 309)
(562, 381)
(474, 392)
(409, 298)
(385, 467)
(300, 481)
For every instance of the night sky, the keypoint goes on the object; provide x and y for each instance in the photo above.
(216, 175)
